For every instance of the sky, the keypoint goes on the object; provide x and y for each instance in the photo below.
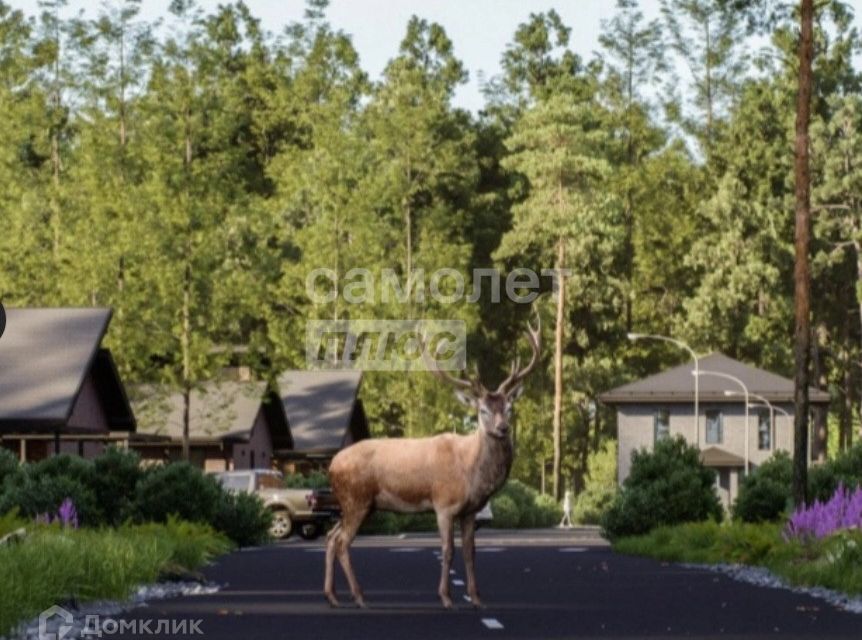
(479, 29)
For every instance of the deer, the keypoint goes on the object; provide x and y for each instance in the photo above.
(452, 475)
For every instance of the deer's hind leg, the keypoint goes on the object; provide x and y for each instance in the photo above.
(351, 520)
(329, 581)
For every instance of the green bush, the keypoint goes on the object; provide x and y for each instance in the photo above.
(845, 468)
(8, 465)
(600, 487)
(314, 480)
(242, 518)
(506, 512)
(765, 495)
(666, 486)
(177, 489)
(33, 494)
(116, 476)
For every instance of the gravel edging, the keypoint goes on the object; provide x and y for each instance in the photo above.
(762, 577)
(106, 609)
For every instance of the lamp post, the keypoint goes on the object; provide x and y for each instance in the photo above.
(682, 345)
(764, 403)
(727, 376)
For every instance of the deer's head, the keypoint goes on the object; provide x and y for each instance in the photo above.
(495, 407)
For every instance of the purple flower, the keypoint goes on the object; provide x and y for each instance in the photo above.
(66, 515)
(819, 520)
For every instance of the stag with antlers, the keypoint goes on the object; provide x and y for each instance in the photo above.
(451, 475)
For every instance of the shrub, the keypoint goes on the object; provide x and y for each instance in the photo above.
(600, 487)
(666, 486)
(116, 475)
(845, 469)
(34, 494)
(314, 480)
(506, 514)
(242, 518)
(765, 495)
(177, 489)
(8, 465)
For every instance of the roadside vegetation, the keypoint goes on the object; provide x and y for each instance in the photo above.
(78, 530)
(816, 545)
(54, 563)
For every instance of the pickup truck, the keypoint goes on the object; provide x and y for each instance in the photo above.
(291, 508)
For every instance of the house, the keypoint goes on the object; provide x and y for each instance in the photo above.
(662, 405)
(60, 391)
(232, 425)
(325, 415)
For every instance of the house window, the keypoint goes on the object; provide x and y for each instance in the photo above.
(661, 424)
(714, 427)
(764, 431)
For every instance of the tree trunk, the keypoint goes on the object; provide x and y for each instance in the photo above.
(801, 273)
(185, 342)
(558, 368)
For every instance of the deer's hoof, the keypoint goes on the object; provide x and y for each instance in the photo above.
(447, 602)
(361, 603)
(333, 601)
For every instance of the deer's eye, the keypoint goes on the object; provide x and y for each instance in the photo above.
(509, 411)
(484, 412)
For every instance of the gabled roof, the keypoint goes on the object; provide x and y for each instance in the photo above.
(677, 384)
(45, 355)
(319, 407)
(223, 411)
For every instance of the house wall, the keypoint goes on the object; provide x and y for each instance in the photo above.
(635, 425)
(87, 412)
(257, 452)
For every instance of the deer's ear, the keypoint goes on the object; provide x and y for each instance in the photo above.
(515, 393)
(465, 398)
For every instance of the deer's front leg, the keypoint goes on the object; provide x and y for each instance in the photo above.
(445, 523)
(468, 548)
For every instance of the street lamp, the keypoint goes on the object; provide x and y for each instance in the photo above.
(682, 345)
(727, 376)
(763, 403)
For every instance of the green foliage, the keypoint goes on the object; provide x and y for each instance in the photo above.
(115, 478)
(8, 465)
(834, 562)
(313, 480)
(506, 512)
(765, 495)
(177, 489)
(600, 485)
(242, 518)
(518, 506)
(53, 565)
(666, 486)
(845, 468)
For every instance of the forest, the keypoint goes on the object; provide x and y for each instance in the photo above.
(191, 173)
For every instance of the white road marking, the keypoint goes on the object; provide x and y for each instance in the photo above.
(405, 549)
(489, 549)
(492, 623)
(572, 550)
(315, 550)
(458, 583)
(451, 572)
(467, 598)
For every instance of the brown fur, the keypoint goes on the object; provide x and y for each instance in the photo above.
(454, 476)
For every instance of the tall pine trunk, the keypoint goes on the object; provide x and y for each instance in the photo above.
(558, 368)
(801, 274)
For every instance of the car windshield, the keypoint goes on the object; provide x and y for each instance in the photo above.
(268, 481)
(235, 482)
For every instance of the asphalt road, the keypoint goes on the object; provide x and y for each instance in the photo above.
(534, 585)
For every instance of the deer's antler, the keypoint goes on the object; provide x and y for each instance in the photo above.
(469, 384)
(516, 374)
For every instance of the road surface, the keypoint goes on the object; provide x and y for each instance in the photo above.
(534, 585)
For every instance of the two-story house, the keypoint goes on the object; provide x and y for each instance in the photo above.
(662, 406)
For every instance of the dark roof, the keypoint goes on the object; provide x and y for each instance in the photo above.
(319, 407)
(715, 457)
(677, 384)
(217, 411)
(45, 356)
